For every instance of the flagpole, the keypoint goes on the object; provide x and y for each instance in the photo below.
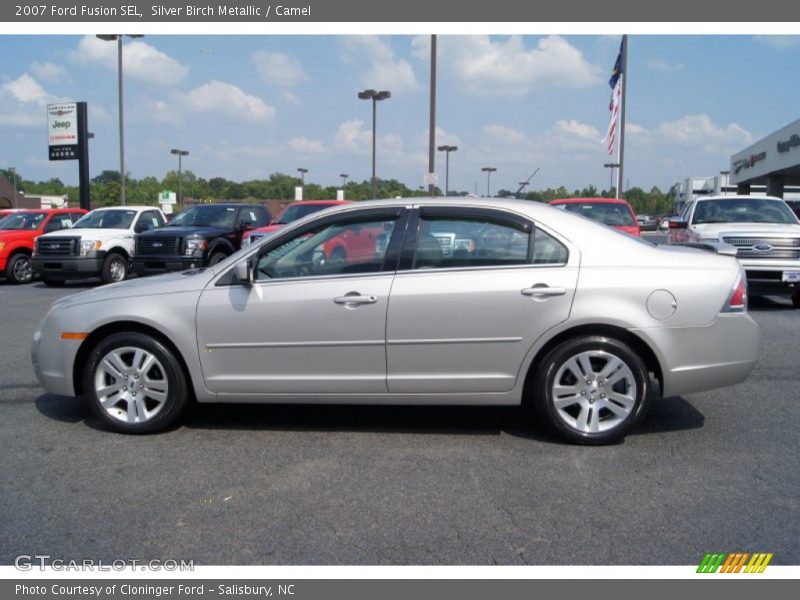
(621, 159)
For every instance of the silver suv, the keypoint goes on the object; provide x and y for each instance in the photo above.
(764, 230)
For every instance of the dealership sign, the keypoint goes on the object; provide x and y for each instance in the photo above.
(62, 131)
(792, 142)
(748, 162)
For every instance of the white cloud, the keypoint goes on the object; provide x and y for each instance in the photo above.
(780, 42)
(290, 97)
(304, 145)
(140, 60)
(226, 99)
(353, 138)
(509, 67)
(661, 65)
(22, 102)
(385, 70)
(98, 113)
(47, 71)
(279, 69)
(579, 130)
(701, 131)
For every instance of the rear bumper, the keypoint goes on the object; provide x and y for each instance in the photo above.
(69, 267)
(155, 265)
(694, 359)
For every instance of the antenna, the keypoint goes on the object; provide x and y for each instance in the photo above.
(522, 184)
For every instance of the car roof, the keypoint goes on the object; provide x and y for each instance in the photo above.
(590, 201)
(739, 197)
(126, 207)
(318, 202)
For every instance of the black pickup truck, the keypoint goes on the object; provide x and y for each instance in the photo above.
(199, 236)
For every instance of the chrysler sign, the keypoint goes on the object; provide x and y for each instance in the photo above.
(62, 131)
(792, 142)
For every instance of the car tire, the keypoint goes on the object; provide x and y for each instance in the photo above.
(19, 269)
(217, 257)
(52, 282)
(134, 384)
(115, 268)
(796, 299)
(591, 390)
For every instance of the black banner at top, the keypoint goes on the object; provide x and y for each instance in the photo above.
(138, 11)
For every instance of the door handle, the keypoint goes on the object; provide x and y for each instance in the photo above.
(542, 290)
(355, 298)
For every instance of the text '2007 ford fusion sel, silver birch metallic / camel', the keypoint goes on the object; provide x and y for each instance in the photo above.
(423, 301)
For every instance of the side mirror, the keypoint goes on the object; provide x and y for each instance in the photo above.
(678, 224)
(241, 271)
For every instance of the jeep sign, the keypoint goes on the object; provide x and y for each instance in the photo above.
(62, 131)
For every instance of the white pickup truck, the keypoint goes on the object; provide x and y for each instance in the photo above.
(764, 230)
(100, 245)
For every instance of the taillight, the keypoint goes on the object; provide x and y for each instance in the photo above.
(737, 300)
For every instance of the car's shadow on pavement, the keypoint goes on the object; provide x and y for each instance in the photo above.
(672, 414)
(769, 303)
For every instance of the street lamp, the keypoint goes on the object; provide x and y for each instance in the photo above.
(447, 150)
(727, 182)
(522, 186)
(488, 171)
(180, 154)
(118, 39)
(375, 97)
(14, 177)
(344, 177)
(611, 166)
(302, 172)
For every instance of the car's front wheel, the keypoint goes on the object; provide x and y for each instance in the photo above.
(19, 269)
(592, 390)
(115, 268)
(135, 384)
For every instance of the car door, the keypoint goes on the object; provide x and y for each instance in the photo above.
(307, 324)
(475, 288)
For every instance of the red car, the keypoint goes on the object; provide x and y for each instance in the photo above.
(18, 232)
(614, 212)
(294, 211)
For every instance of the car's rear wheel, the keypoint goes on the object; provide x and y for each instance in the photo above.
(592, 390)
(115, 268)
(135, 384)
(19, 269)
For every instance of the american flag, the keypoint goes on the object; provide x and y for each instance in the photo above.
(616, 97)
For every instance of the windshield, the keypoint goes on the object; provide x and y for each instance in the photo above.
(605, 212)
(298, 211)
(206, 215)
(106, 219)
(739, 210)
(21, 221)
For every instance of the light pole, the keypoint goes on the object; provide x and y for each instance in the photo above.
(180, 154)
(14, 177)
(727, 181)
(611, 166)
(344, 177)
(447, 150)
(302, 172)
(375, 97)
(522, 186)
(488, 171)
(118, 39)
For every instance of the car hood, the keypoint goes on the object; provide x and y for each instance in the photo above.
(89, 233)
(717, 229)
(9, 235)
(180, 231)
(169, 283)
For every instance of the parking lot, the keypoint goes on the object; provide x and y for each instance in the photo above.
(715, 471)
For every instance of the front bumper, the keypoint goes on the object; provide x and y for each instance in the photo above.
(69, 267)
(695, 359)
(157, 264)
(770, 281)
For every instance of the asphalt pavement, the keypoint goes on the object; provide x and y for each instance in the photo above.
(715, 471)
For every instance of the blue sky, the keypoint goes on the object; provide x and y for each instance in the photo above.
(247, 106)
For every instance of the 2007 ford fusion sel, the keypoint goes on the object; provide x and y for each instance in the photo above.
(422, 301)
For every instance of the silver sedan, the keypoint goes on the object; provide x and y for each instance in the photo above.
(419, 301)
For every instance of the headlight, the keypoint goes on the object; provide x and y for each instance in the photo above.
(193, 246)
(88, 246)
(2, 246)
